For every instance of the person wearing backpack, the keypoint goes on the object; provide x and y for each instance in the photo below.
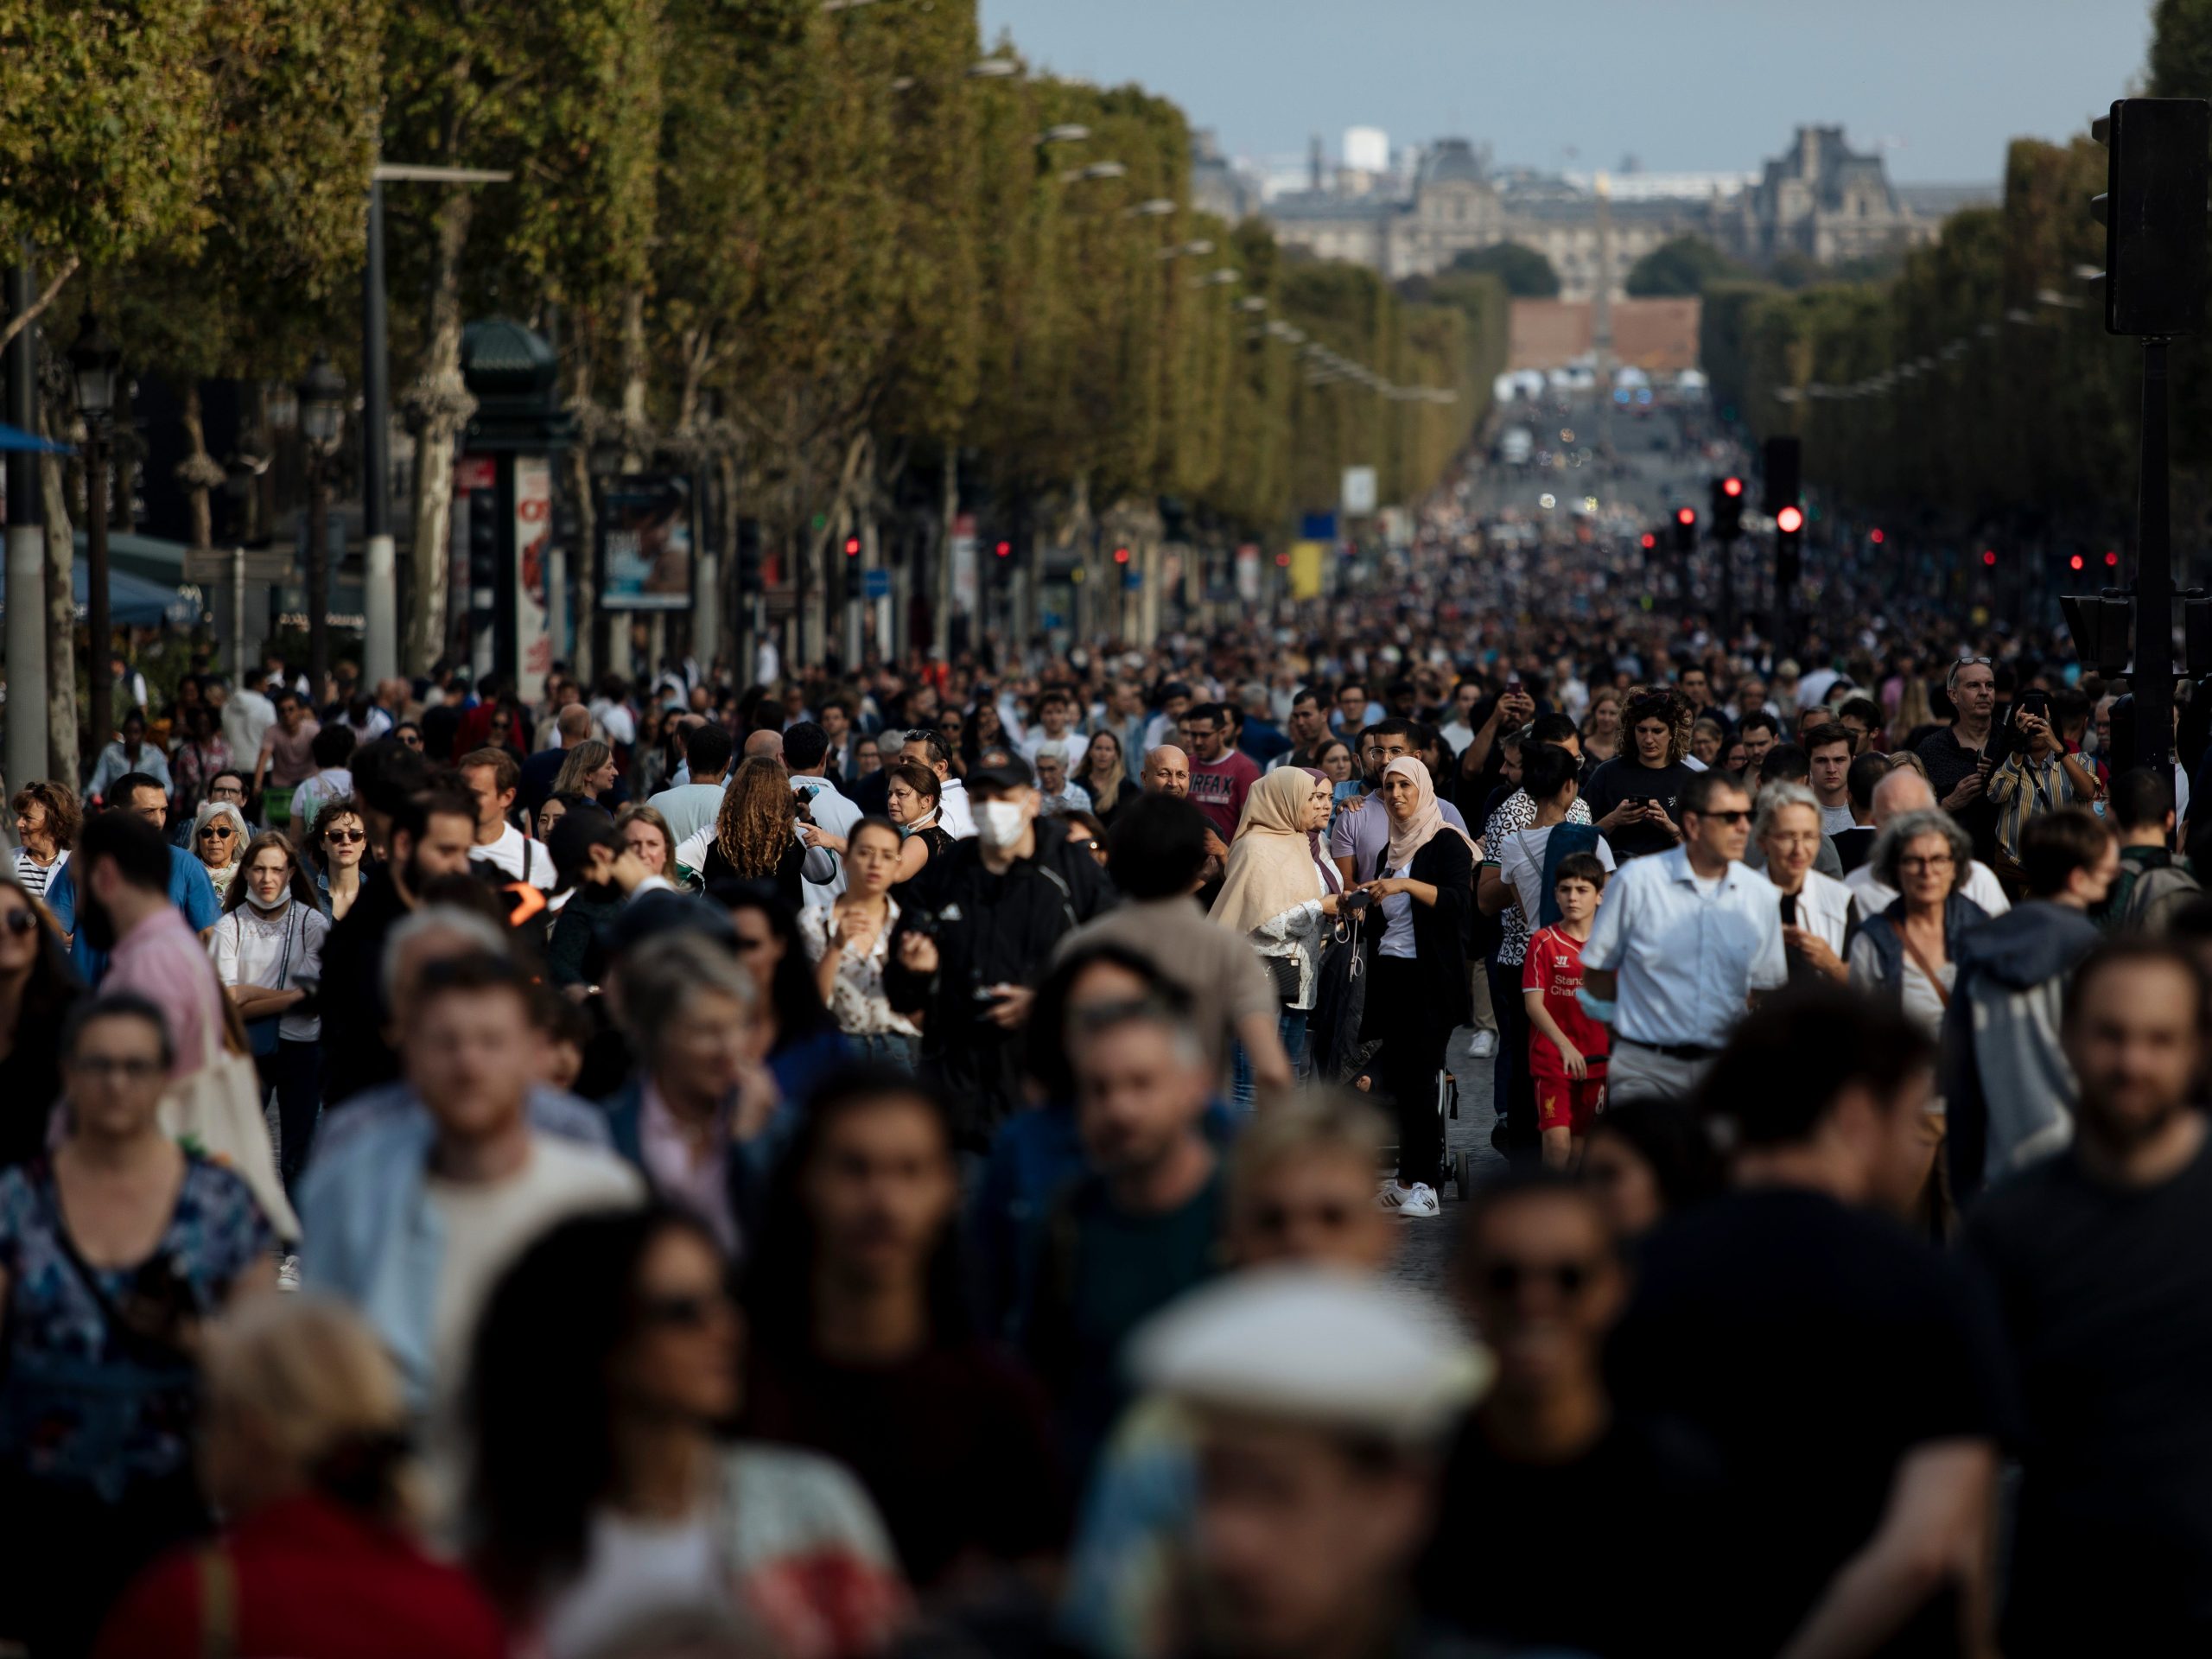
(2154, 881)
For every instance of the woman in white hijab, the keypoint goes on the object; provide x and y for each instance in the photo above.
(1277, 895)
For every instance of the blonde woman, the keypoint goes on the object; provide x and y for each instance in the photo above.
(302, 1444)
(588, 771)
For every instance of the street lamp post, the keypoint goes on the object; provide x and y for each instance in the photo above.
(322, 424)
(93, 362)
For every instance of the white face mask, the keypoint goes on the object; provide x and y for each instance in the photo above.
(282, 898)
(999, 824)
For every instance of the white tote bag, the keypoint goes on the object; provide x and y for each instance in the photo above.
(217, 1112)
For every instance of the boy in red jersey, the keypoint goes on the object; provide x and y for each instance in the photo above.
(1566, 1048)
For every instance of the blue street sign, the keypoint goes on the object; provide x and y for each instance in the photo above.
(876, 584)
(1317, 527)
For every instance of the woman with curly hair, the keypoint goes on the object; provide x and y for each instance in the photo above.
(756, 837)
(47, 818)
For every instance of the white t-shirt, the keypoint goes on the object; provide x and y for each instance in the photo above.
(1073, 745)
(274, 953)
(1521, 864)
(1834, 820)
(634, 1568)
(487, 1225)
(1398, 919)
(1873, 897)
(520, 856)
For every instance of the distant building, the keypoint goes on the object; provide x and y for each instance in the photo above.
(1824, 200)
(1217, 185)
(1821, 199)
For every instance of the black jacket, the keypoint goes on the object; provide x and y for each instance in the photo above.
(354, 1053)
(1439, 930)
(989, 929)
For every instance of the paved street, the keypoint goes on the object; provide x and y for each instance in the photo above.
(1428, 1245)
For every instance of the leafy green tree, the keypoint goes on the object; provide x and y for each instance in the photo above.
(1678, 269)
(1525, 272)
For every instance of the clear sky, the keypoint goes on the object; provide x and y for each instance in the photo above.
(1681, 85)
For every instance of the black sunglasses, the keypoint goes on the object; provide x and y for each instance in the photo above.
(1739, 815)
(22, 921)
(217, 831)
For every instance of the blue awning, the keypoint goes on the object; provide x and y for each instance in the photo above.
(14, 438)
(133, 601)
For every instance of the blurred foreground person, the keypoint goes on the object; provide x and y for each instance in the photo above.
(1797, 1301)
(864, 1348)
(114, 1248)
(1318, 1409)
(603, 1498)
(304, 1451)
(2102, 1260)
(1541, 1274)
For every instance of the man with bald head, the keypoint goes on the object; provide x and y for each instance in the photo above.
(766, 744)
(571, 727)
(1167, 771)
(1907, 791)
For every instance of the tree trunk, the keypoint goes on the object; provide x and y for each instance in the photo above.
(442, 403)
(583, 645)
(941, 618)
(633, 377)
(196, 499)
(61, 624)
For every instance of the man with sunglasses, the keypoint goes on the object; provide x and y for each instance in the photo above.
(1683, 942)
(1540, 1275)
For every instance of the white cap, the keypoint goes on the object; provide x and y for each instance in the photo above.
(1314, 1345)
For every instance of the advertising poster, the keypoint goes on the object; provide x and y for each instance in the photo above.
(645, 543)
(534, 598)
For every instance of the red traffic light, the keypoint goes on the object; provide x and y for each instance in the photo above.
(1121, 555)
(1989, 555)
(1650, 541)
(1686, 515)
(1282, 561)
(1731, 486)
(1789, 521)
(1876, 537)
(2076, 562)
(1005, 550)
(852, 547)
(2112, 558)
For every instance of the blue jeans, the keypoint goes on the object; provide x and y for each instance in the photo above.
(882, 1048)
(1291, 1026)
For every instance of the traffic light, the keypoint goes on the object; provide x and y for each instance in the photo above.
(1989, 558)
(1789, 529)
(1685, 530)
(748, 557)
(2103, 629)
(2153, 212)
(1121, 555)
(1650, 544)
(1727, 509)
(1782, 455)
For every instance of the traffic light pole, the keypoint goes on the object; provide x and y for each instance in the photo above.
(1727, 590)
(2152, 682)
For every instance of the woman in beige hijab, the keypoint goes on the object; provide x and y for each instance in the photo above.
(1279, 895)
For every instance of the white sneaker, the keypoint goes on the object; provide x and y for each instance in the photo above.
(1415, 1203)
(1483, 1044)
(288, 1273)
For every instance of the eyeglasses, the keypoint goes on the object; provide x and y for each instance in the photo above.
(345, 837)
(1932, 861)
(129, 1068)
(412, 739)
(20, 921)
(217, 832)
(1506, 1279)
(221, 792)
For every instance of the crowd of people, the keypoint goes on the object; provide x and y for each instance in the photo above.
(916, 1153)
